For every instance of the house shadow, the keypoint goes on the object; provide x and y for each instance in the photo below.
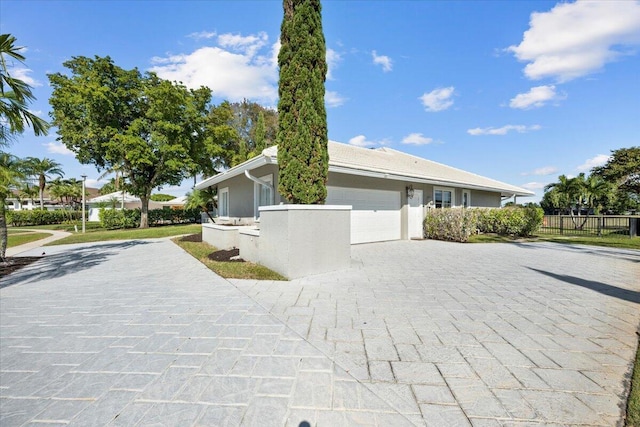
(603, 288)
(600, 251)
(67, 262)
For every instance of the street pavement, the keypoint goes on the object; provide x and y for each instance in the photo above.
(414, 333)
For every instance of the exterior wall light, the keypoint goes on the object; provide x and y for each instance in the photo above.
(410, 191)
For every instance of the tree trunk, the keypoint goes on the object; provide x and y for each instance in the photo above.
(41, 198)
(144, 212)
(3, 231)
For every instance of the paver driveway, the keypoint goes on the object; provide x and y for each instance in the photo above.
(417, 333)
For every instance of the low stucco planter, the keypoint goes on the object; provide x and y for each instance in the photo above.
(249, 245)
(301, 240)
(222, 236)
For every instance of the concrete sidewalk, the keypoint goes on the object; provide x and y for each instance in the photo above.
(55, 235)
(415, 333)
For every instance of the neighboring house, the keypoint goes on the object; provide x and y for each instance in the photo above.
(21, 204)
(388, 190)
(118, 200)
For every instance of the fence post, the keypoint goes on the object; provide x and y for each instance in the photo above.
(561, 227)
(599, 226)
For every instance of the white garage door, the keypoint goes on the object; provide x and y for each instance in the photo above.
(375, 216)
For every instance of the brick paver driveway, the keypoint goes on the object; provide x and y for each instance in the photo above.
(495, 334)
(139, 333)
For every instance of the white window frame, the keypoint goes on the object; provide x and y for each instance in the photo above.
(443, 189)
(221, 196)
(257, 190)
(468, 194)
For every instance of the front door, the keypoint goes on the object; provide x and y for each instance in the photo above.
(416, 215)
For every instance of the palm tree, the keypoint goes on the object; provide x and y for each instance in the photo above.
(598, 192)
(42, 169)
(28, 191)
(202, 199)
(15, 95)
(11, 175)
(571, 192)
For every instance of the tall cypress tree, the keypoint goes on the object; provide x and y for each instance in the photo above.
(302, 139)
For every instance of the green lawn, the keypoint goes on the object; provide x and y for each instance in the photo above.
(17, 239)
(229, 270)
(633, 405)
(129, 234)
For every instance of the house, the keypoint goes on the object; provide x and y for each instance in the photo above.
(388, 190)
(17, 203)
(119, 200)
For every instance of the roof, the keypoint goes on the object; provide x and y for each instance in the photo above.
(117, 195)
(386, 163)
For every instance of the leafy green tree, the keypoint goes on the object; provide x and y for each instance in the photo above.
(109, 116)
(159, 197)
(256, 128)
(15, 96)
(11, 177)
(623, 170)
(42, 170)
(302, 120)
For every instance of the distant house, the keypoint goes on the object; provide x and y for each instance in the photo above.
(388, 190)
(119, 199)
(16, 203)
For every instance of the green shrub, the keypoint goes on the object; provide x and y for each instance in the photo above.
(454, 225)
(42, 217)
(112, 219)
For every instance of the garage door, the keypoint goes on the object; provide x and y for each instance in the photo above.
(375, 216)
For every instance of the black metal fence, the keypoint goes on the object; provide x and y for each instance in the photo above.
(592, 225)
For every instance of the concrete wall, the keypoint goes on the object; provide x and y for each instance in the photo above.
(301, 240)
(485, 199)
(222, 236)
(249, 245)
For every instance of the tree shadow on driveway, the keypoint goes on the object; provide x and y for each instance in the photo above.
(603, 288)
(66, 262)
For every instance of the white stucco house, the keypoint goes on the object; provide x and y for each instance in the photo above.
(388, 190)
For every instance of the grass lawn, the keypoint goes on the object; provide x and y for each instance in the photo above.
(129, 234)
(633, 405)
(229, 270)
(16, 239)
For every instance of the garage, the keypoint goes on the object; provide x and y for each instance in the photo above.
(376, 214)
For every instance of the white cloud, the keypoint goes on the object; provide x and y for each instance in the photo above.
(546, 170)
(361, 141)
(238, 67)
(385, 61)
(576, 39)
(534, 185)
(23, 74)
(416, 139)
(598, 160)
(58, 148)
(333, 99)
(333, 58)
(536, 97)
(503, 130)
(438, 99)
(203, 35)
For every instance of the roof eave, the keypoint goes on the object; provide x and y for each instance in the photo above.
(250, 164)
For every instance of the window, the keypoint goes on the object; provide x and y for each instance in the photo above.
(466, 198)
(443, 197)
(223, 202)
(262, 194)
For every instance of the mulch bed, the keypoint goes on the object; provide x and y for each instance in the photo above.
(15, 263)
(192, 238)
(225, 255)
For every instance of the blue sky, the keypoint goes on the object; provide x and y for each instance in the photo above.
(519, 91)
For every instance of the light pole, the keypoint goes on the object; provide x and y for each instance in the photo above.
(84, 180)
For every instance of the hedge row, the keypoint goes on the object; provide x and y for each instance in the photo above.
(42, 217)
(459, 224)
(130, 218)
